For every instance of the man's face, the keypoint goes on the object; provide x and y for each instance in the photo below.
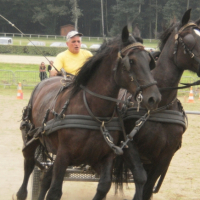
(74, 44)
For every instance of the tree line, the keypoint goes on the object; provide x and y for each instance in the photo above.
(94, 17)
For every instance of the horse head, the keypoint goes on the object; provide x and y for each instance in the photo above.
(133, 71)
(187, 44)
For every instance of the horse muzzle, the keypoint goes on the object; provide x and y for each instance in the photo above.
(198, 72)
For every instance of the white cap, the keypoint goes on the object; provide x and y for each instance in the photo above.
(71, 34)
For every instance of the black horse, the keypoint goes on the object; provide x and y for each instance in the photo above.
(120, 63)
(157, 141)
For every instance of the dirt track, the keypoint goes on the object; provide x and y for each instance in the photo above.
(24, 59)
(182, 181)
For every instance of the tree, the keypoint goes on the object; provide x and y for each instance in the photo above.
(48, 14)
(125, 13)
(173, 10)
(102, 18)
(19, 12)
(76, 12)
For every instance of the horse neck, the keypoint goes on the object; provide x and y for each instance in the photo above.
(167, 74)
(103, 83)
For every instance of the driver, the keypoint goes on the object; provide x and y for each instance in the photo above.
(74, 57)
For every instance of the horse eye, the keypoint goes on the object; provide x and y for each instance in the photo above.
(131, 61)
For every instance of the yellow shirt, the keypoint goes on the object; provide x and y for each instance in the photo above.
(71, 62)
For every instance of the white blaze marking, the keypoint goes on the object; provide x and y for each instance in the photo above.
(197, 32)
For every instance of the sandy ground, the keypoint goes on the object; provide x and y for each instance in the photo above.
(182, 181)
(24, 59)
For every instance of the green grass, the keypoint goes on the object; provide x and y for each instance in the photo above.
(151, 43)
(34, 67)
(24, 73)
(23, 77)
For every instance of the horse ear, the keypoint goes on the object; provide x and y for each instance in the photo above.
(197, 22)
(186, 17)
(125, 34)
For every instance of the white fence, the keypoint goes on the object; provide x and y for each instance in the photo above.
(19, 35)
(192, 112)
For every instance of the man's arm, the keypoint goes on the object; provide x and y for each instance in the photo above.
(58, 64)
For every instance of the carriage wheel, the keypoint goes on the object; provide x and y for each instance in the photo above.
(36, 183)
(36, 178)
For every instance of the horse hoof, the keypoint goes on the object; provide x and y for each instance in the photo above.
(14, 197)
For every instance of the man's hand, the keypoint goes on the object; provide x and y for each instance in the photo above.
(53, 73)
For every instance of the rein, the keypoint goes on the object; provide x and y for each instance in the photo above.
(104, 97)
(90, 112)
(187, 85)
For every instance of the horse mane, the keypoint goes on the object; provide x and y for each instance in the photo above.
(163, 37)
(108, 49)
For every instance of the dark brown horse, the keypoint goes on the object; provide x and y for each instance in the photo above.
(104, 74)
(157, 142)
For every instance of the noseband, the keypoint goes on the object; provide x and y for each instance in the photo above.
(132, 76)
(178, 39)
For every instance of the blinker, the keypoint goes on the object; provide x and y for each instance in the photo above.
(190, 42)
(152, 62)
(126, 62)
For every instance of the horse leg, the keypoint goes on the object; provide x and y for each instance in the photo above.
(59, 169)
(29, 163)
(104, 184)
(46, 182)
(132, 159)
(153, 174)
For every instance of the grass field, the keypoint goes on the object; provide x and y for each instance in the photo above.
(32, 67)
(28, 75)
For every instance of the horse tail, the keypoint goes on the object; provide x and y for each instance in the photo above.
(120, 173)
(42, 156)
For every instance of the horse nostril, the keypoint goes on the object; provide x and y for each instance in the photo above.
(151, 101)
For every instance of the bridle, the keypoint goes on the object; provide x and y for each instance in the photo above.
(179, 39)
(122, 56)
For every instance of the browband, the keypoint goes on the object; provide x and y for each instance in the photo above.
(187, 25)
(137, 44)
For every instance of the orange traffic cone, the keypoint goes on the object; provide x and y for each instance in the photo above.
(199, 94)
(191, 97)
(19, 91)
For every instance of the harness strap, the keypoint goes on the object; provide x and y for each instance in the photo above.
(101, 96)
(73, 121)
(107, 137)
(90, 112)
(166, 116)
(77, 121)
(121, 123)
(139, 123)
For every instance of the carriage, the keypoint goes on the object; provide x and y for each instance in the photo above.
(73, 173)
(116, 66)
